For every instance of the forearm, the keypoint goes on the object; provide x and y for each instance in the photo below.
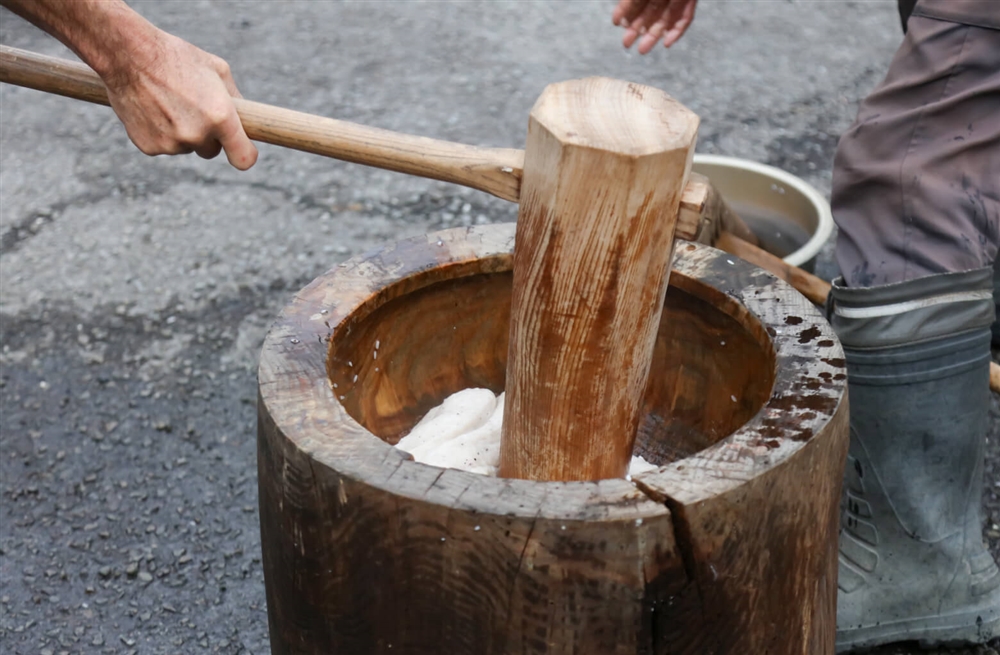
(103, 33)
(171, 96)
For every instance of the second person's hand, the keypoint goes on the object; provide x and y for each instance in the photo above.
(650, 20)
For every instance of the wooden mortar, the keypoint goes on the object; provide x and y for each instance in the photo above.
(729, 547)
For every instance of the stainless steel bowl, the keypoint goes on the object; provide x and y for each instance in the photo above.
(789, 216)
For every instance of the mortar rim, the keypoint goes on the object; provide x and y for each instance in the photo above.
(289, 351)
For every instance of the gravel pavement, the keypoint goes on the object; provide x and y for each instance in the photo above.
(135, 292)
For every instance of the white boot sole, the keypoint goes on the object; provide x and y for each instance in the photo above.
(969, 627)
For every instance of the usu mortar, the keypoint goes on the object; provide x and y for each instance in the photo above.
(729, 547)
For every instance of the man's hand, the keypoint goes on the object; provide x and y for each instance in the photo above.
(652, 20)
(174, 98)
(171, 96)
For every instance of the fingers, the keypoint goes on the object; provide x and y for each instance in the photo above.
(226, 75)
(641, 18)
(680, 24)
(240, 151)
(648, 21)
(626, 11)
(205, 129)
(231, 136)
(652, 36)
(619, 11)
(630, 37)
(148, 135)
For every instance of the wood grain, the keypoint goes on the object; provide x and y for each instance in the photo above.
(70, 79)
(725, 549)
(605, 164)
(494, 170)
(712, 492)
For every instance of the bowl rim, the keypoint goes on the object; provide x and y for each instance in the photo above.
(824, 215)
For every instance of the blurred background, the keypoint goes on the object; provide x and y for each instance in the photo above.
(135, 291)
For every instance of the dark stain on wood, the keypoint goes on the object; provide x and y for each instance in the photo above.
(365, 551)
(809, 334)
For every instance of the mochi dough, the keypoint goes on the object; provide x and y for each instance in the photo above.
(463, 433)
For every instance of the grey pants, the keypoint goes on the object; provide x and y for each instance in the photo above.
(916, 182)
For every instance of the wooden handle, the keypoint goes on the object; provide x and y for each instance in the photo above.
(731, 222)
(493, 170)
(52, 75)
(496, 171)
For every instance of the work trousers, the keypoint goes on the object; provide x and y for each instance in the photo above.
(916, 181)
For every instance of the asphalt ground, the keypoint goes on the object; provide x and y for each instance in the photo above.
(135, 292)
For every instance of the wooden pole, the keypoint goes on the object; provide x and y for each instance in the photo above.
(496, 171)
(605, 165)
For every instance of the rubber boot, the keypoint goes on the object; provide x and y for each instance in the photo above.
(913, 565)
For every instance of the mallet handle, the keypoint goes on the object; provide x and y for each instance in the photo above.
(496, 171)
(493, 170)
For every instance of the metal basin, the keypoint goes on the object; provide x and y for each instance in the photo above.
(789, 216)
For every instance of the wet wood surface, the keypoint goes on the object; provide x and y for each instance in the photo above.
(726, 548)
(605, 165)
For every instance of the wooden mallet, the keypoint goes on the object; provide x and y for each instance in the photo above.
(605, 165)
(497, 171)
(604, 195)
